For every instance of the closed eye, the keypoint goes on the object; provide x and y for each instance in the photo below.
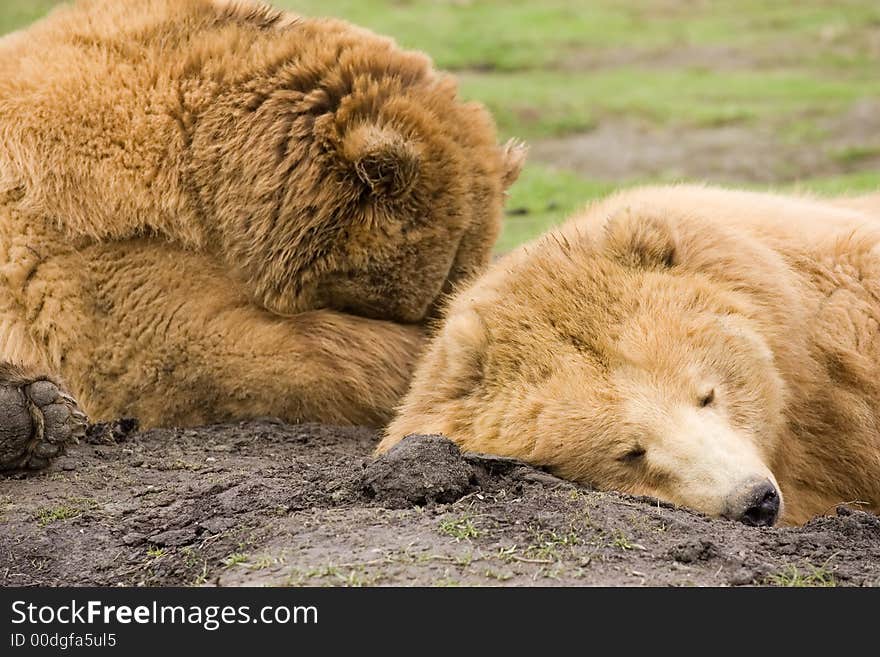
(633, 455)
(707, 399)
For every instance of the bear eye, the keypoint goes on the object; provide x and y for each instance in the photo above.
(633, 455)
(707, 399)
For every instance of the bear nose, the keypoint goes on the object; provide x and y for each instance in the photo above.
(762, 506)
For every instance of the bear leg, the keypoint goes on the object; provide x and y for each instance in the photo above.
(38, 419)
(177, 341)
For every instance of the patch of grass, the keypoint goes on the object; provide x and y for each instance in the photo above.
(463, 560)
(446, 582)
(507, 554)
(155, 552)
(498, 575)
(73, 508)
(860, 182)
(235, 558)
(64, 512)
(856, 154)
(544, 197)
(357, 578)
(15, 14)
(202, 577)
(518, 34)
(536, 104)
(323, 571)
(461, 528)
(548, 545)
(349, 576)
(622, 542)
(810, 577)
(262, 563)
(488, 34)
(190, 556)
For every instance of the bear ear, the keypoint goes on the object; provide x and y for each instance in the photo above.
(641, 240)
(513, 156)
(383, 160)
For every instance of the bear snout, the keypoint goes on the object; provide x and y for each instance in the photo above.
(755, 503)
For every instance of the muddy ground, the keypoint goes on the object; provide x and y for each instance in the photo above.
(263, 503)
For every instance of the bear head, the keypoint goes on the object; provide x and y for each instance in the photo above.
(324, 166)
(609, 355)
(346, 173)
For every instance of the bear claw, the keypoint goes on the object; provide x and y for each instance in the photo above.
(37, 422)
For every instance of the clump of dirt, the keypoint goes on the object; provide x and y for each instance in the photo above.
(262, 502)
(419, 470)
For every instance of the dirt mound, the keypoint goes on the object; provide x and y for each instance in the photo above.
(417, 471)
(266, 503)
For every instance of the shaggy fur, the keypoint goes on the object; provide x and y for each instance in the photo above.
(675, 342)
(214, 210)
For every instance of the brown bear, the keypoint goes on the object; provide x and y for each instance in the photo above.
(213, 210)
(716, 349)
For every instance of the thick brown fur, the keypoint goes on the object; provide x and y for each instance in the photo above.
(675, 342)
(211, 209)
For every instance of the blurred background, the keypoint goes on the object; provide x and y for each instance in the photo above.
(611, 93)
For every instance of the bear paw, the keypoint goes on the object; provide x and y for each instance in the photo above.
(38, 419)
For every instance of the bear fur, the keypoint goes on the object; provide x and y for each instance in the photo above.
(680, 342)
(212, 209)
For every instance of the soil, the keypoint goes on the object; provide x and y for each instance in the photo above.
(629, 149)
(263, 503)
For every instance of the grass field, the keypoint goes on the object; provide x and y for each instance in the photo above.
(612, 93)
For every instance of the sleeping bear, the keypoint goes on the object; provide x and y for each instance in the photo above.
(716, 349)
(213, 210)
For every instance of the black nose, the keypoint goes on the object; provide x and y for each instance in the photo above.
(762, 506)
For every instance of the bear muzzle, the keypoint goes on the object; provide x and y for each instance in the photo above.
(757, 502)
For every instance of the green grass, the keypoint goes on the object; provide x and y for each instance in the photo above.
(482, 34)
(852, 183)
(48, 516)
(531, 103)
(856, 154)
(18, 13)
(544, 197)
(621, 542)
(535, 104)
(518, 34)
(810, 576)
(558, 67)
(235, 558)
(72, 508)
(550, 546)
(461, 528)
